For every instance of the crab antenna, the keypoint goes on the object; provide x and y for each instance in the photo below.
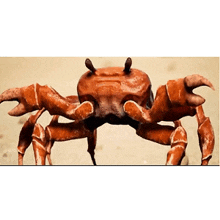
(89, 65)
(128, 65)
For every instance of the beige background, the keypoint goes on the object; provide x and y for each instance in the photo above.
(116, 145)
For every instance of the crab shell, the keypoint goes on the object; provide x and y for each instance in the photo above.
(109, 88)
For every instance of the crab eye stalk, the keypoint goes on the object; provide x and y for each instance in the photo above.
(128, 65)
(89, 65)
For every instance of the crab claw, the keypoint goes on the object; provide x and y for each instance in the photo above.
(26, 97)
(196, 80)
(13, 95)
(192, 82)
(18, 110)
(10, 95)
(172, 102)
(180, 90)
(35, 97)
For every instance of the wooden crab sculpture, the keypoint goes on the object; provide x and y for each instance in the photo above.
(115, 95)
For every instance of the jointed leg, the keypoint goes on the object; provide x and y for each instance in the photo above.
(25, 136)
(49, 146)
(39, 143)
(206, 136)
(91, 145)
(54, 121)
(178, 145)
(69, 131)
(174, 101)
(51, 136)
(49, 141)
(166, 135)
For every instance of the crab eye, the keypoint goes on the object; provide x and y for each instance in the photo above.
(89, 65)
(128, 64)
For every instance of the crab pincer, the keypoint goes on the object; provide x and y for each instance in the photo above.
(172, 102)
(180, 90)
(36, 97)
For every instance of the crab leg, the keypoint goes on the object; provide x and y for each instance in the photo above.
(50, 142)
(206, 135)
(25, 136)
(36, 97)
(39, 143)
(166, 135)
(173, 101)
(178, 145)
(49, 146)
(92, 139)
(69, 131)
(51, 138)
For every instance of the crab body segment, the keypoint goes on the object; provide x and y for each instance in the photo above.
(109, 88)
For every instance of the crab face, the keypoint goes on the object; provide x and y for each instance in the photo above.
(109, 88)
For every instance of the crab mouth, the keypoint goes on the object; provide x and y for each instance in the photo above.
(112, 119)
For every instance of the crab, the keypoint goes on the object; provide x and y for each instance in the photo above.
(114, 95)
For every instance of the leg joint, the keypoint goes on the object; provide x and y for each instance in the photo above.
(178, 136)
(39, 133)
